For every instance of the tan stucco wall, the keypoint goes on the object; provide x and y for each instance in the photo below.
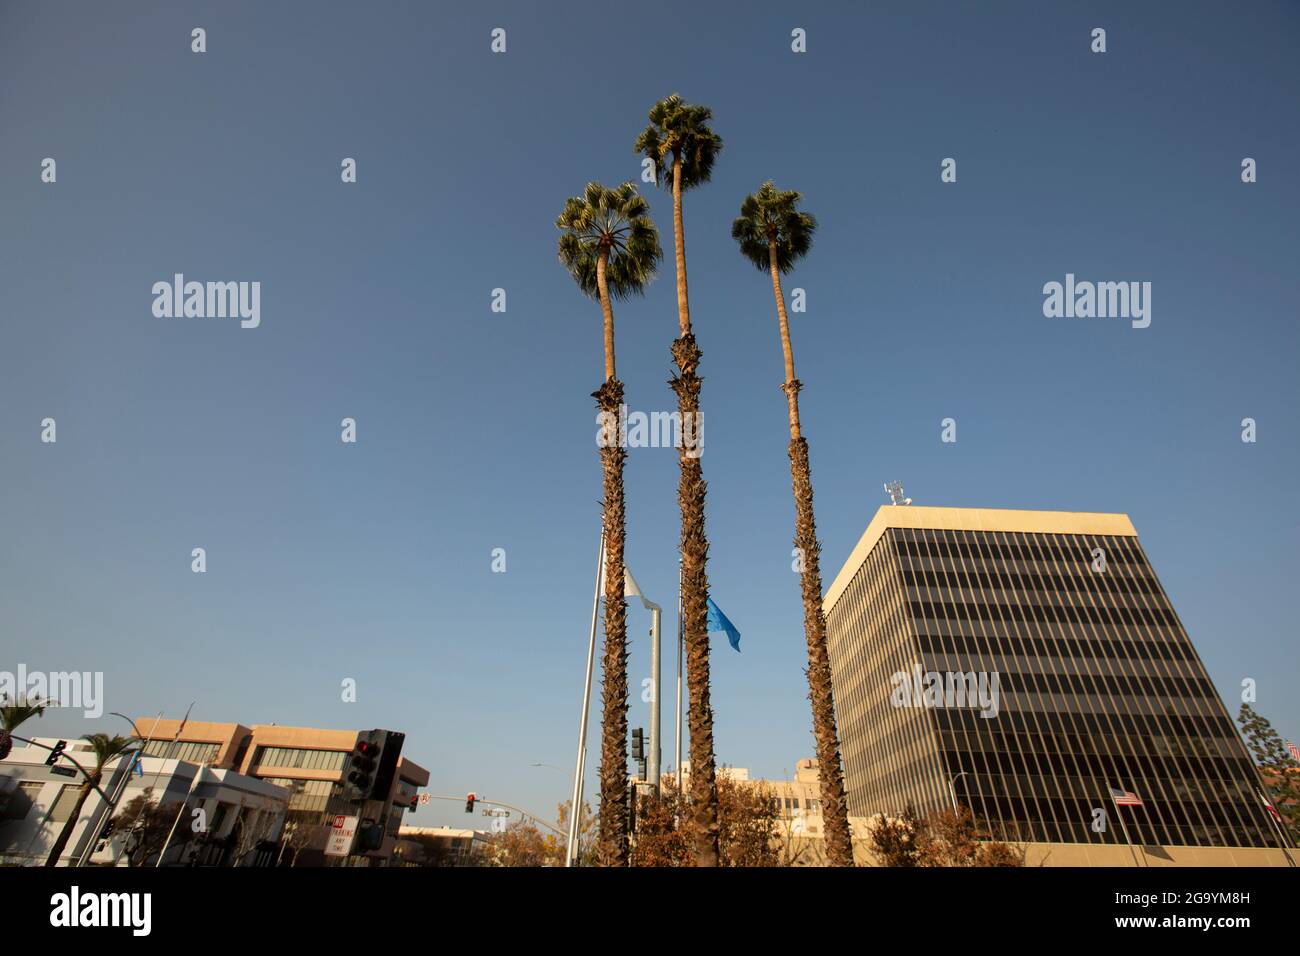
(972, 519)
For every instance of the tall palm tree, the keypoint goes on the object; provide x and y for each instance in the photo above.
(773, 234)
(105, 748)
(682, 147)
(12, 714)
(611, 248)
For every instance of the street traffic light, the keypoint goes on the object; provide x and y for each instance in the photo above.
(638, 750)
(109, 826)
(370, 837)
(415, 801)
(55, 753)
(364, 758)
(469, 803)
(374, 764)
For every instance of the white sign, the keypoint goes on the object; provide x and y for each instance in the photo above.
(424, 799)
(342, 834)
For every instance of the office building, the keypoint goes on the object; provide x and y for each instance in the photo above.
(241, 815)
(1030, 666)
(313, 764)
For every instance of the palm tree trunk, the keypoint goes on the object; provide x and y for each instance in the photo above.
(679, 242)
(695, 612)
(695, 553)
(69, 824)
(791, 394)
(835, 818)
(613, 841)
(602, 263)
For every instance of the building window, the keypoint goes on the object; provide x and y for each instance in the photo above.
(188, 750)
(63, 804)
(298, 758)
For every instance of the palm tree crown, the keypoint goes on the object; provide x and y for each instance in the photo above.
(617, 224)
(106, 748)
(679, 130)
(12, 714)
(773, 215)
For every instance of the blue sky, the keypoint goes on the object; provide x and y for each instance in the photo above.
(476, 429)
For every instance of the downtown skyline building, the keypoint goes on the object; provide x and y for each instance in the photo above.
(1029, 665)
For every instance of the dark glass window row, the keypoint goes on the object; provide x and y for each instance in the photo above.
(1062, 820)
(1150, 724)
(1063, 646)
(1007, 581)
(1014, 552)
(1103, 766)
(1185, 813)
(1063, 742)
(948, 610)
(1129, 685)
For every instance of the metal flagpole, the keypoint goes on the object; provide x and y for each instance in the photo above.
(1270, 810)
(1123, 829)
(655, 614)
(179, 813)
(679, 680)
(575, 808)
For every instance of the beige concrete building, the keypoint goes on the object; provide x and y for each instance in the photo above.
(242, 815)
(314, 764)
(441, 846)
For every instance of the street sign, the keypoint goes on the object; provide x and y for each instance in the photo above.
(342, 833)
(425, 799)
(64, 771)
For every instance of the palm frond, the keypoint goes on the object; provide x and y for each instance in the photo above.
(614, 222)
(768, 215)
(678, 130)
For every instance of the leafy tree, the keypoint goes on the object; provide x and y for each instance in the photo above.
(1280, 771)
(520, 844)
(946, 838)
(893, 840)
(146, 825)
(749, 832)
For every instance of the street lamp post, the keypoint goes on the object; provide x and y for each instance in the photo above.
(952, 789)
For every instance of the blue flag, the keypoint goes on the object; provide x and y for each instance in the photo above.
(719, 622)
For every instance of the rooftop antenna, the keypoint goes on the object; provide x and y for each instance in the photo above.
(895, 489)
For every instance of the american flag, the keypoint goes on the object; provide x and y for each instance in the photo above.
(1125, 798)
(1295, 751)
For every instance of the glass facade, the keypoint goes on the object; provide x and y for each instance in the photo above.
(1097, 687)
(309, 795)
(292, 757)
(187, 750)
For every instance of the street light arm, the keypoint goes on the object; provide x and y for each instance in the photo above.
(498, 803)
(68, 757)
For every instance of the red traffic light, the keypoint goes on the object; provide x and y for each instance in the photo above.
(469, 803)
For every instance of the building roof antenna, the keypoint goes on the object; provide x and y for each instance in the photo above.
(895, 490)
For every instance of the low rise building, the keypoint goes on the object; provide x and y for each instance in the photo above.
(223, 817)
